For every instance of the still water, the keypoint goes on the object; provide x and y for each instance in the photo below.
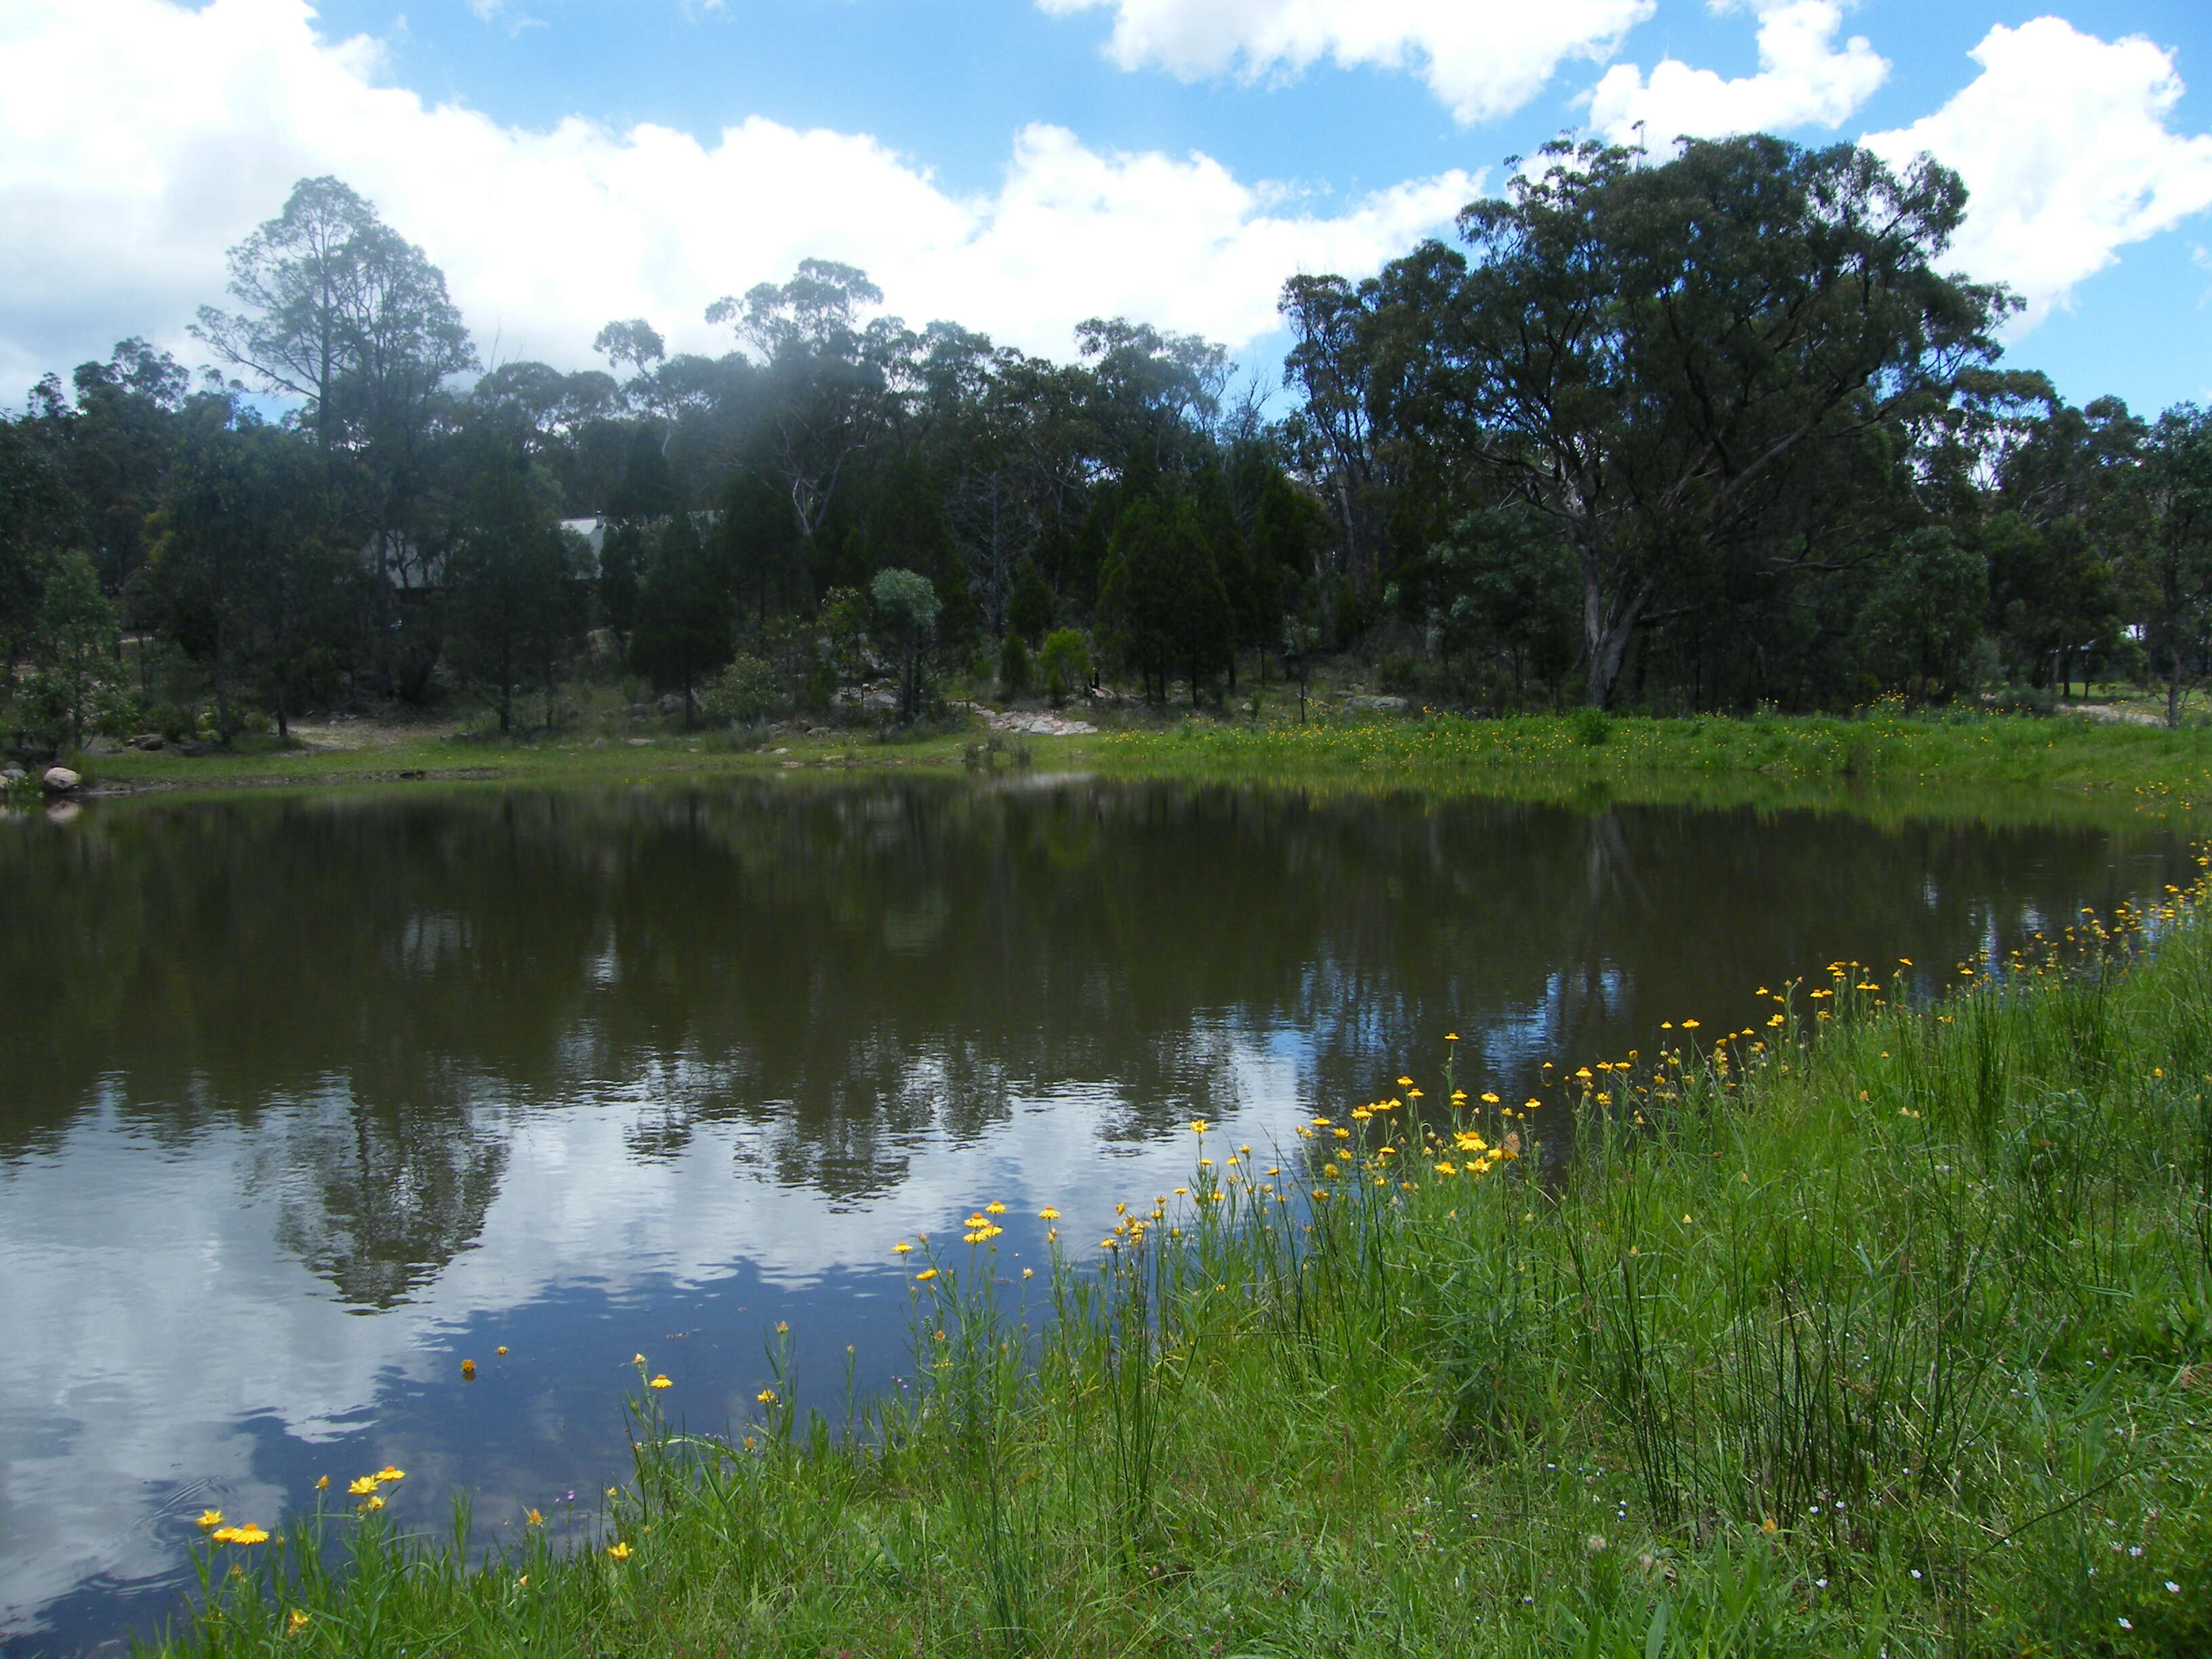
(305, 1100)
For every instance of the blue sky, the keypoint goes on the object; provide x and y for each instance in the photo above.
(1018, 163)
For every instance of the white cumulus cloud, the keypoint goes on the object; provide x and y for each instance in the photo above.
(1804, 79)
(2064, 143)
(1482, 58)
(140, 138)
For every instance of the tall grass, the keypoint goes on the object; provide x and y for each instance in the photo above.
(1880, 1329)
(1883, 754)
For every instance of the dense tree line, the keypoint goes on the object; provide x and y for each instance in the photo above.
(1713, 432)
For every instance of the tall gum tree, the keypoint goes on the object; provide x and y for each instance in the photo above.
(344, 314)
(1656, 357)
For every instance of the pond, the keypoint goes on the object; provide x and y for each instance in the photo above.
(309, 1098)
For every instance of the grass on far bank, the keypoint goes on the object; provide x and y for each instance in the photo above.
(2060, 752)
(1889, 751)
(1996, 769)
(1873, 1329)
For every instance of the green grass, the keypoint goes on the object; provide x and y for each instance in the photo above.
(260, 762)
(2003, 767)
(1878, 1329)
(2110, 760)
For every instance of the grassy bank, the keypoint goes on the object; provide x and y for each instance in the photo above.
(1873, 1330)
(2003, 767)
(2076, 757)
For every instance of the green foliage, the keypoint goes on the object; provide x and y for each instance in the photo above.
(907, 610)
(1717, 422)
(1030, 607)
(74, 648)
(684, 629)
(1014, 666)
(1065, 662)
(1161, 596)
(1506, 588)
(515, 582)
(1923, 622)
(744, 693)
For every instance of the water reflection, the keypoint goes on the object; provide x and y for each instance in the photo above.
(308, 1098)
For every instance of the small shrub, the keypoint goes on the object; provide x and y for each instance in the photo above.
(1066, 661)
(743, 694)
(1593, 727)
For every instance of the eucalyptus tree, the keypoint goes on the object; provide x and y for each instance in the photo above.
(34, 525)
(518, 591)
(1656, 358)
(1153, 394)
(118, 439)
(250, 573)
(635, 342)
(339, 311)
(683, 630)
(2070, 521)
(833, 384)
(2173, 564)
(74, 645)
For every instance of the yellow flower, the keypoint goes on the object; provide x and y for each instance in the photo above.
(248, 1534)
(1489, 1099)
(994, 1208)
(926, 1275)
(387, 1474)
(1405, 1083)
(501, 1349)
(468, 1369)
(660, 1381)
(362, 1487)
(1048, 1214)
(901, 1248)
(209, 1519)
(637, 1359)
(369, 1504)
(1451, 1037)
(619, 1550)
(766, 1396)
(532, 1518)
(322, 1483)
(294, 1622)
(1028, 1272)
(1689, 1025)
(1199, 1126)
